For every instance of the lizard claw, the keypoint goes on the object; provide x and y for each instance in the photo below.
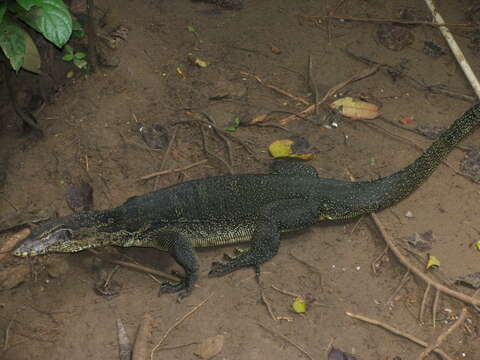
(219, 269)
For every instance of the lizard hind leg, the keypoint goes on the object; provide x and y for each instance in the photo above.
(277, 216)
(183, 252)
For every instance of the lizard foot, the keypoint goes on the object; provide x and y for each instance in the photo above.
(220, 269)
(171, 287)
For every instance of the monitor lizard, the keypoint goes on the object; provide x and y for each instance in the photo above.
(233, 209)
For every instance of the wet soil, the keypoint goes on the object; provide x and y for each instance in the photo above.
(91, 134)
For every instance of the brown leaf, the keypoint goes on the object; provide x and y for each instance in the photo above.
(210, 347)
(337, 354)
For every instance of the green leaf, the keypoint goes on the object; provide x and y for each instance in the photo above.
(12, 42)
(68, 49)
(191, 29)
(27, 4)
(51, 18)
(231, 128)
(67, 57)
(236, 121)
(80, 55)
(79, 63)
(32, 60)
(77, 29)
(3, 8)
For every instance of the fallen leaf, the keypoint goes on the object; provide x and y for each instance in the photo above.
(337, 354)
(79, 197)
(477, 245)
(355, 108)
(472, 280)
(299, 305)
(275, 50)
(156, 136)
(210, 347)
(258, 119)
(421, 241)
(294, 147)
(432, 262)
(180, 72)
(200, 63)
(407, 120)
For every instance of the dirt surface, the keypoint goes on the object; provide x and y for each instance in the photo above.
(92, 135)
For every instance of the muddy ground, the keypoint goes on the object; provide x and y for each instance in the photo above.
(92, 134)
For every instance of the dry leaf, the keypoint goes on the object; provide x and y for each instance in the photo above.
(210, 347)
(355, 108)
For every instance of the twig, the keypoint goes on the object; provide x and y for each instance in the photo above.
(184, 317)
(171, 171)
(424, 301)
(7, 333)
(212, 155)
(173, 347)
(313, 85)
(441, 338)
(398, 332)
(144, 334)
(135, 266)
(389, 21)
(92, 36)
(124, 344)
(285, 292)
(363, 74)
(435, 306)
(267, 304)
(277, 89)
(457, 52)
(403, 260)
(284, 338)
(400, 286)
(377, 260)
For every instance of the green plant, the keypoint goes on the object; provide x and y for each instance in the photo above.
(51, 18)
(78, 58)
(236, 124)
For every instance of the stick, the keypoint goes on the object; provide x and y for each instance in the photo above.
(124, 344)
(422, 306)
(135, 266)
(267, 304)
(434, 307)
(398, 332)
(184, 317)
(172, 171)
(389, 21)
(403, 260)
(284, 338)
(363, 74)
(404, 280)
(142, 340)
(457, 52)
(443, 336)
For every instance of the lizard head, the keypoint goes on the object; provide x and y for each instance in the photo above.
(49, 238)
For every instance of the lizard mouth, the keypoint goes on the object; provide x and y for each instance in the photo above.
(51, 241)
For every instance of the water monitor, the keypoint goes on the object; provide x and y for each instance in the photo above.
(233, 209)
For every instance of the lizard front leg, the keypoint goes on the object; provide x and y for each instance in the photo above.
(183, 252)
(277, 216)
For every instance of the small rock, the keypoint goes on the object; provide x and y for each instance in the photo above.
(13, 276)
(224, 89)
(57, 267)
(210, 347)
(79, 197)
(156, 136)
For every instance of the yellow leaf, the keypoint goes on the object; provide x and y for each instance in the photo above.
(299, 305)
(201, 63)
(355, 108)
(432, 262)
(179, 71)
(284, 148)
(477, 245)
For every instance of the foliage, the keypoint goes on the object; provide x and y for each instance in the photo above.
(51, 18)
(78, 58)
